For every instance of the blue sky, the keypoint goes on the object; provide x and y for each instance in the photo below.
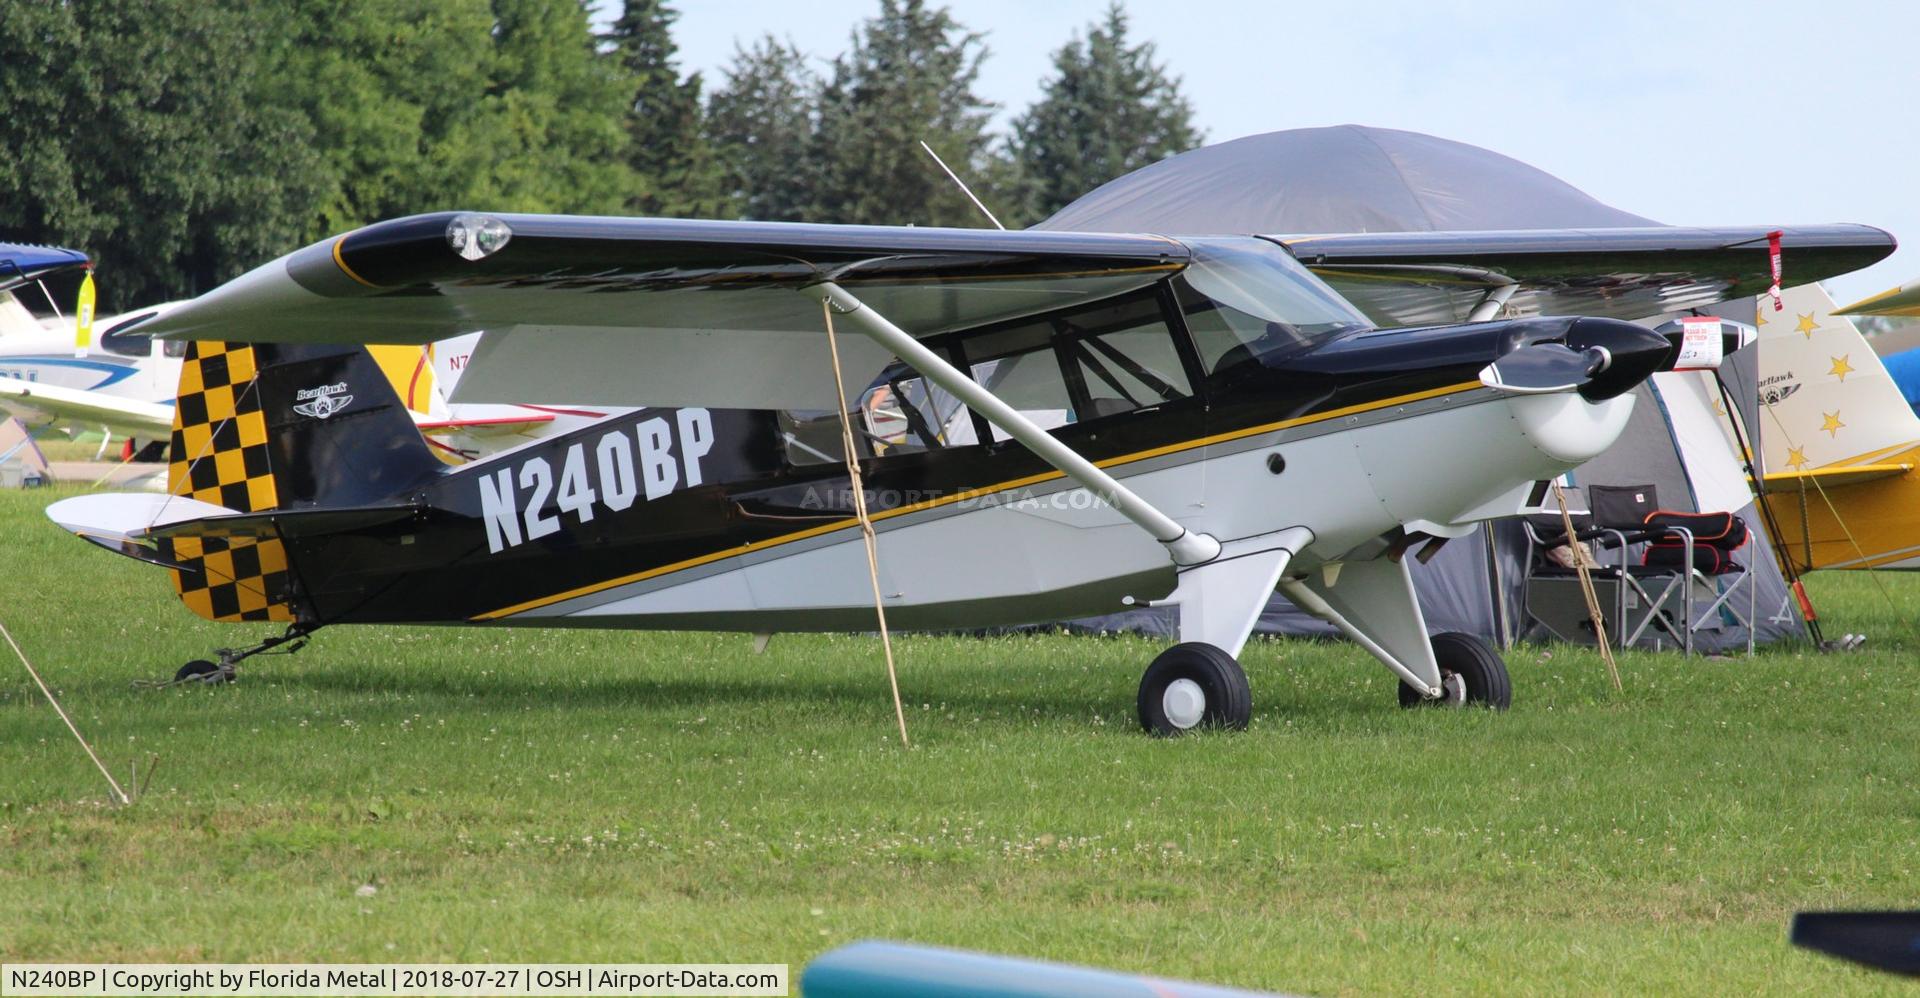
(1691, 113)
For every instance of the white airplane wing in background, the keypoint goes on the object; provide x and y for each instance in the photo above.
(41, 404)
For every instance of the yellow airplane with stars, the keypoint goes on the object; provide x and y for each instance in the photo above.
(1839, 444)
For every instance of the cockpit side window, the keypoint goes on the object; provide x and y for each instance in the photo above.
(1020, 366)
(1124, 356)
(1067, 367)
(900, 412)
(127, 340)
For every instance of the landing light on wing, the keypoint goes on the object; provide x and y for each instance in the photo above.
(476, 237)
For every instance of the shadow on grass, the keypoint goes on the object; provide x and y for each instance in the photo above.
(1046, 700)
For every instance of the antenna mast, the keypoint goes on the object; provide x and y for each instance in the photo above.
(957, 182)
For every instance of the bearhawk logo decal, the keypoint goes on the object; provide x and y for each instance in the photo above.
(323, 401)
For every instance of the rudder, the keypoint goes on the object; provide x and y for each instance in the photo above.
(217, 453)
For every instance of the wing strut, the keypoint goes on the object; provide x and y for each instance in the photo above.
(1187, 548)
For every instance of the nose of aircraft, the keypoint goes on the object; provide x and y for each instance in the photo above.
(1599, 358)
(1626, 354)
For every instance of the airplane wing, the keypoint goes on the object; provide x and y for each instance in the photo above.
(24, 262)
(674, 312)
(1421, 278)
(40, 404)
(561, 299)
(1903, 300)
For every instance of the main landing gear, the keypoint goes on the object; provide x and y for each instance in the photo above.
(226, 669)
(1471, 673)
(1194, 685)
(1197, 685)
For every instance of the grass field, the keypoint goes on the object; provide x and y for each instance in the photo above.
(553, 796)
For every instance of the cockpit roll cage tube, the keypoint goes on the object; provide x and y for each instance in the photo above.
(1186, 547)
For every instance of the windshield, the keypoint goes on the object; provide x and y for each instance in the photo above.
(1253, 295)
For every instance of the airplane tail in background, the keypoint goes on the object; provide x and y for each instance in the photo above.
(1826, 401)
(411, 371)
(1841, 444)
(269, 428)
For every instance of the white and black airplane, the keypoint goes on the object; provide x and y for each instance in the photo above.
(1050, 425)
(49, 378)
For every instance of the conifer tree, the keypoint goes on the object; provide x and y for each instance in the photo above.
(667, 142)
(1107, 110)
(908, 77)
(760, 120)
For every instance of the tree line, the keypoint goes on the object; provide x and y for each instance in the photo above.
(182, 142)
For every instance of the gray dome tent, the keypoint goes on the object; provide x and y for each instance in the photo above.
(1344, 178)
(1353, 178)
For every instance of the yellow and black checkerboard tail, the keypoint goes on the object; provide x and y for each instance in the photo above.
(280, 428)
(219, 454)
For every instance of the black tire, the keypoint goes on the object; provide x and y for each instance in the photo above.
(199, 669)
(1228, 703)
(1473, 664)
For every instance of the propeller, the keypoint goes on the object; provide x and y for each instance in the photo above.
(1599, 358)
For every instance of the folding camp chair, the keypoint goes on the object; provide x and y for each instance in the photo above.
(1686, 559)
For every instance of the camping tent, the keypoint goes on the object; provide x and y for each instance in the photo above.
(21, 463)
(1351, 178)
(1345, 178)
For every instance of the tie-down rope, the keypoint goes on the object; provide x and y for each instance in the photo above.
(866, 522)
(119, 795)
(1586, 587)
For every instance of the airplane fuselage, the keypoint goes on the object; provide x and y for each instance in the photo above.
(702, 518)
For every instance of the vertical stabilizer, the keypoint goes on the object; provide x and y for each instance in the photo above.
(1825, 399)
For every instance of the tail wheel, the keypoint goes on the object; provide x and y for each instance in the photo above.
(203, 671)
(1194, 685)
(1471, 673)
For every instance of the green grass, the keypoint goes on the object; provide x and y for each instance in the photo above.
(574, 796)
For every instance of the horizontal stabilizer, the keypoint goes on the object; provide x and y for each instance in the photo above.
(284, 523)
(123, 521)
(120, 520)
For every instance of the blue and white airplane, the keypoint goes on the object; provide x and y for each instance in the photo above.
(54, 373)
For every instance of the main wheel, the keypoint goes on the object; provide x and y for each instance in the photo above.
(1471, 672)
(200, 669)
(1194, 685)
